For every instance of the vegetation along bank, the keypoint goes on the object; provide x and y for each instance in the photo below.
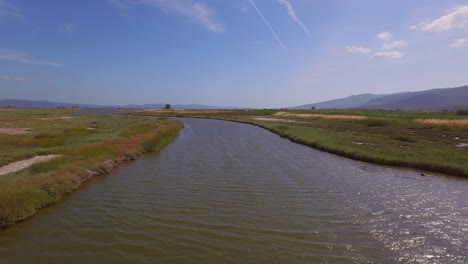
(435, 142)
(73, 148)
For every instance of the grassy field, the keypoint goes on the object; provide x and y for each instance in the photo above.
(427, 141)
(88, 146)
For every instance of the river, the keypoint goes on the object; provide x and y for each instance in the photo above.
(225, 192)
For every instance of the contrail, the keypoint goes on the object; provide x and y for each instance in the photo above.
(268, 25)
(293, 15)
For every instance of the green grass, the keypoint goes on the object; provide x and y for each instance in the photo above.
(85, 143)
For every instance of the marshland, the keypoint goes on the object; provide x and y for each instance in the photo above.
(244, 131)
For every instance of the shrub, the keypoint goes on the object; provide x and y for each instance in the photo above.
(44, 135)
(374, 122)
(282, 127)
(404, 138)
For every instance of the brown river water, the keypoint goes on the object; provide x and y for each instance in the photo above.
(232, 193)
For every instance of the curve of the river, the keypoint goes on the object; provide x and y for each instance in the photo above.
(225, 192)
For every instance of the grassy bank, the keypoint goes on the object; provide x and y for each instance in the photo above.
(89, 146)
(427, 141)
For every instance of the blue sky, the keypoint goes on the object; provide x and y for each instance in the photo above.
(255, 53)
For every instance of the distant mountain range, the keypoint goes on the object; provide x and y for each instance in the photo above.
(48, 104)
(429, 100)
(347, 102)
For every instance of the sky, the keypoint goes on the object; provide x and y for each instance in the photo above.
(245, 53)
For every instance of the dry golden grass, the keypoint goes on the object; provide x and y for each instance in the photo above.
(460, 123)
(335, 117)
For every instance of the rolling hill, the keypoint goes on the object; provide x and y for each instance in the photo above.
(428, 100)
(347, 102)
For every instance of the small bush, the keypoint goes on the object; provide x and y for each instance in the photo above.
(44, 135)
(159, 141)
(46, 166)
(75, 130)
(37, 142)
(374, 122)
(281, 127)
(404, 138)
(462, 112)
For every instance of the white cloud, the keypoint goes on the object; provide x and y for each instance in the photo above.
(358, 50)
(392, 55)
(194, 10)
(268, 24)
(384, 35)
(457, 43)
(13, 78)
(455, 19)
(8, 10)
(15, 56)
(293, 15)
(68, 28)
(395, 44)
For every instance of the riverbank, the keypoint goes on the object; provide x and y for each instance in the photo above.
(434, 142)
(84, 146)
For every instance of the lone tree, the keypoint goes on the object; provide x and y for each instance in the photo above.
(312, 108)
(167, 107)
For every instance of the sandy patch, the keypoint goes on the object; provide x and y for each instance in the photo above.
(462, 145)
(23, 164)
(56, 118)
(336, 117)
(443, 122)
(13, 130)
(276, 120)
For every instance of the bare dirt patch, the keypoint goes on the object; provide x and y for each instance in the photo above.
(335, 117)
(13, 130)
(56, 118)
(23, 164)
(363, 143)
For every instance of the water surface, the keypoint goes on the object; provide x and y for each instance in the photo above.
(233, 193)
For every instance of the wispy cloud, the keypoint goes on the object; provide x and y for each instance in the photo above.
(13, 78)
(68, 28)
(457, 43)
(16, 56)
(395, 44)
(293, 15)
(9, 10)
(384, 35)
(194, 10)
(392, 55)
(358, 50)
(454, 19)
(268, 25)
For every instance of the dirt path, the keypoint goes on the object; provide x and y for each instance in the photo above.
(23, 164)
